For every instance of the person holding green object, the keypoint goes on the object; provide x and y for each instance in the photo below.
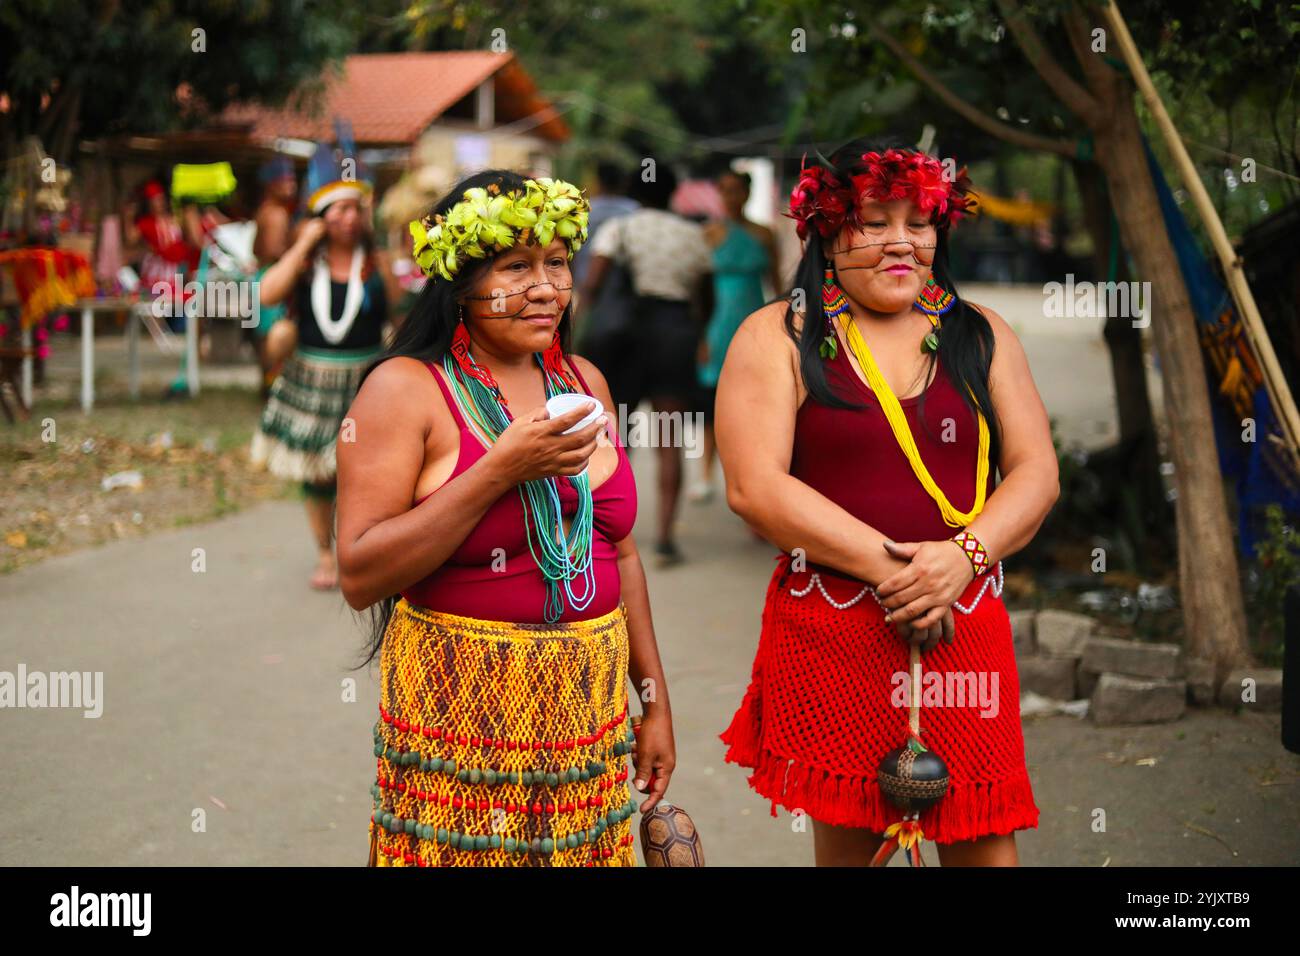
(199, 190)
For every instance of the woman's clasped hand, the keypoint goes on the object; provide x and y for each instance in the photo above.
(918, 598)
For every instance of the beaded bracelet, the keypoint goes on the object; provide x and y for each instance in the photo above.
(974, 551)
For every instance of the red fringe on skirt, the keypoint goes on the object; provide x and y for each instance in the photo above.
(822, 675)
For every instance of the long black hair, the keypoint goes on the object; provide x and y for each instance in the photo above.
(966, 334)
(426, 335)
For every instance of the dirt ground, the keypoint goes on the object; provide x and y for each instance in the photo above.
(190, 456)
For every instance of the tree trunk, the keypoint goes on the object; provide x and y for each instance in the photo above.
(1213, 613)
(1138, 440)
(1132, 401)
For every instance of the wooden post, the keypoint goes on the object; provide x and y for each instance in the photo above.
(26, 383)
(133, 351)
(192, 346)
(1279, 394)
(87, 358)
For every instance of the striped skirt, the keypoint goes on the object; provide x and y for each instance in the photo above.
(502, 744)
(308, 402)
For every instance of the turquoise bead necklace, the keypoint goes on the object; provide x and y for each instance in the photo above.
(562, 557)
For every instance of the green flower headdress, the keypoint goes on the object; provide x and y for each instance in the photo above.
(487, 221)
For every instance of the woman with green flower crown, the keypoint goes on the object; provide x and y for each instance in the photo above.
(492, 541)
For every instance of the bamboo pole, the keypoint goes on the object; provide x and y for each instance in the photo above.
(1256, 334)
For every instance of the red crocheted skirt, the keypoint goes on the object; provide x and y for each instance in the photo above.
(828, 699)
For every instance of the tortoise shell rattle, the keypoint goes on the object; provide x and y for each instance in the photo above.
(912, 778)
(668, 834)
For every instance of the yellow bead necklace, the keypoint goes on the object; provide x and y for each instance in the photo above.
(903, 433)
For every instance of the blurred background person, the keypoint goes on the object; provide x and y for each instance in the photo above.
(204, 193)
(669, 262)
(605, 336)
(275, 220)
(744, 252)
(335, 284)
(167, 257)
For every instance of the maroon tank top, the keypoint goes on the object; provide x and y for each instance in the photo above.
(852, 457)
(493, 575)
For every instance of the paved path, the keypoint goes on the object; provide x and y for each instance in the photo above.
(223, 693)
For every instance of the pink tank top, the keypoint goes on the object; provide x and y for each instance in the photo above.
(493, 576)
(852, 457)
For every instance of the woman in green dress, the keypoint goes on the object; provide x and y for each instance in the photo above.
(743, 252)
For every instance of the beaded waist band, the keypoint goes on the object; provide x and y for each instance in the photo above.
(816, 572)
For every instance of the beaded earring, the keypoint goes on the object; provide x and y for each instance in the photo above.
(833, 305)
(460, 352)
(553, 362)
(934, 299)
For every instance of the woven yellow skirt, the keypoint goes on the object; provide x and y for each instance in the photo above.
(502, 744)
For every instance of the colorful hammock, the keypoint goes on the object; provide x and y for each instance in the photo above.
(1263, 471)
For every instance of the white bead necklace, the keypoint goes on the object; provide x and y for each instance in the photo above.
(334, 331)
(815, 580)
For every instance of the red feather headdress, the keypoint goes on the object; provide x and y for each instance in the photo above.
(822, 200)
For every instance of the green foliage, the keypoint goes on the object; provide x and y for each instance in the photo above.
(1276, 568)
(1100, 500)
(1227, 71)
(118, 67)
(1229, 76)
(964, 44)
(633, 78)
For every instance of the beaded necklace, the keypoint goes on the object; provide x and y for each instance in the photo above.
(903, 434)
(562, 557)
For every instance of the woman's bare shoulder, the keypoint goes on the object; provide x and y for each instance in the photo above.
(588, 368)
(400, 372)
(399, 391)
(761, 232)
(767, 325)
(1004, 336)
(593, 376)
(763, 346)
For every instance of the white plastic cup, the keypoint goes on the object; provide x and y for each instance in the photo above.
(558, 405)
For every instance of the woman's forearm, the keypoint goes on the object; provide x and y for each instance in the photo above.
(791, 514)
(396, 553)
(1017, 508)
(644, 667)
(278, 280)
